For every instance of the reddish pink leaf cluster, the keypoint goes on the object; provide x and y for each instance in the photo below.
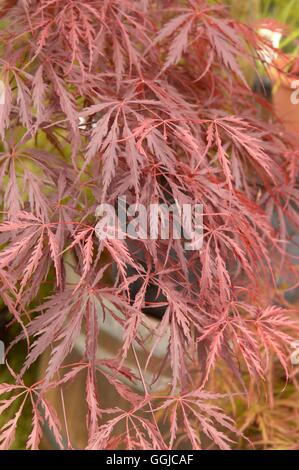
(167, 115)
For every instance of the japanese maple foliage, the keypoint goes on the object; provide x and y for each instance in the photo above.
(106, 98)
